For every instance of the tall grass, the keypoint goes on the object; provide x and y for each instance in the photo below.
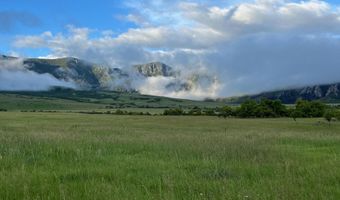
(74, 156)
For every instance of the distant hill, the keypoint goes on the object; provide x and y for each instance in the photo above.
(327, 92)
(68, 99)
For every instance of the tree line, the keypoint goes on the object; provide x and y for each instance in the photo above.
(264, 108)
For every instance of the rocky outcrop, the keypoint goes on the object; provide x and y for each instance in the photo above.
(154, 69)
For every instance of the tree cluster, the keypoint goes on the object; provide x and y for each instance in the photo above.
(261, 109)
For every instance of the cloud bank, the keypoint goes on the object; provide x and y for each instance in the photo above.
(14, 76)
(250, 47)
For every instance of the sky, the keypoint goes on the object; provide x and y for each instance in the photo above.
(249, 46)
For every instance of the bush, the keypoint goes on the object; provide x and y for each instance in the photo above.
(195, 111)
(209, 112)
(296, 114)
(265, 108)
(329, 115)
(176, 111)
(247, 109)
(3, 110)
(310, 108)
(119, 112)
(271, 108)
(225, 111)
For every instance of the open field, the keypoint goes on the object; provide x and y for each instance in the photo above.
(78, 156)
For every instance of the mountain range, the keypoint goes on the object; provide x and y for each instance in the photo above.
(90, 76)
(326, 92)
(86, 75)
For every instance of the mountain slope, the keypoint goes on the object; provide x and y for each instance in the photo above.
(326, 92)
(85, 75)
(69, 99)
(67, 69)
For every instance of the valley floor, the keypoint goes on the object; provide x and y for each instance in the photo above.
(78, 156)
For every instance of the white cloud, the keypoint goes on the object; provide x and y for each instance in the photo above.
(14, 76)
(251, 47)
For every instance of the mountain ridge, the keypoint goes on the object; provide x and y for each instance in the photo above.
(90, 76)
(323, 92)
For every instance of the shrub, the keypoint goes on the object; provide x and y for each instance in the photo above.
(271, 108)
(265, 108)
(3, 110)
(195, 111)
(247, 109)
(225, 111)
(209, 112)
(176, 111)
(329, 115)
(296, 114)
(311, 108)
(119, 112)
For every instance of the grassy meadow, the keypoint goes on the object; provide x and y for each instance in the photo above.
(92, 100)
(79, 156)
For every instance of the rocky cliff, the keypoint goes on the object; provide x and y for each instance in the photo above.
(154, 69)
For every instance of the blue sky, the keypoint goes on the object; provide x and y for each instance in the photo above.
(54, 16)
(249, 46)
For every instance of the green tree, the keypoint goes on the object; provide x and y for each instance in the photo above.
(296, 114)
(330, 115)
(311, 108)
(225, 111)
(209, 112)
(176, 111)
(195, 111)
(271, 108)
(247, 109)
(318, 109)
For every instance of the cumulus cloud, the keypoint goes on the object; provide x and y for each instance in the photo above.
(14, 76)
(249, 47)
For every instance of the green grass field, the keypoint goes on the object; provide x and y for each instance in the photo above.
(79, 156)
(90, 100)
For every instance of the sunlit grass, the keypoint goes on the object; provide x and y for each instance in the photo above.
(77, 156)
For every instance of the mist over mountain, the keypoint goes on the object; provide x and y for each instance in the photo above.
(215, 48)
(152, 78)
